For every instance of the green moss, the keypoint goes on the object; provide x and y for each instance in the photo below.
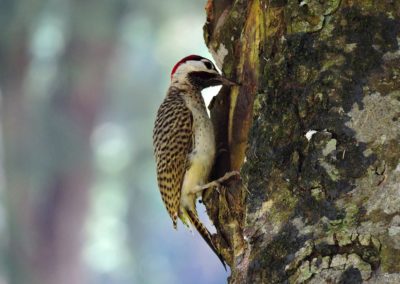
(332, 61)
(309, 15)
(302, 274)
(390, 259)
(302, 74)
(256, 106)
(312, 24)
(284, 202)
(228, 68)
(344, 227)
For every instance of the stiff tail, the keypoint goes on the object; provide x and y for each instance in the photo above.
(206, 235)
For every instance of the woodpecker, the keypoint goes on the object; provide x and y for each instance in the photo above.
(184, 143)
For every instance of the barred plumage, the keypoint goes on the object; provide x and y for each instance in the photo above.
(172, 138)
(183, 139)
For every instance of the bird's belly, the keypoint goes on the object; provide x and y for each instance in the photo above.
(201, 162)
(202, 158)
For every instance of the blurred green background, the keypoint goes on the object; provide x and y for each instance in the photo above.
(80, 84)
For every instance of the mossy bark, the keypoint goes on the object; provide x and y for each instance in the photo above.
(314, 128)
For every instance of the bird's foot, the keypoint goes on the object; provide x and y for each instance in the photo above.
(216, 183)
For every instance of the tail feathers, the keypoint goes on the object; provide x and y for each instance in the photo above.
(206, 235)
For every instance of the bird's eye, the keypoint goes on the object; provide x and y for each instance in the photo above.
(208, 64)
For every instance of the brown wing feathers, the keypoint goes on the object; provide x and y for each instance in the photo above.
(172, 139)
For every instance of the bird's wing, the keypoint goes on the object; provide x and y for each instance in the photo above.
(172, 140)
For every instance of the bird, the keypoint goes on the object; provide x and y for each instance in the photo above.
(184, 142)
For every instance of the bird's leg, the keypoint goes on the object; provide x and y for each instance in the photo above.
(216, 183)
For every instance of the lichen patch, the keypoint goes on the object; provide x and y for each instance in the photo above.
(374, 122)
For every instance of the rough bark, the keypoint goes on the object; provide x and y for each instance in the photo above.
(321, 208)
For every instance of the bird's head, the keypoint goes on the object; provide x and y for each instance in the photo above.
(199, 72)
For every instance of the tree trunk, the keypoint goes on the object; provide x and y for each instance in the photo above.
(314, 128)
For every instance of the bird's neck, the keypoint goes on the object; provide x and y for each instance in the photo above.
(190, 94)
(183, 83)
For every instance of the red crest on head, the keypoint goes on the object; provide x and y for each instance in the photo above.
(183, 60)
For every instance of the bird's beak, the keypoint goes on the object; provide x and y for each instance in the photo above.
(227, 82)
